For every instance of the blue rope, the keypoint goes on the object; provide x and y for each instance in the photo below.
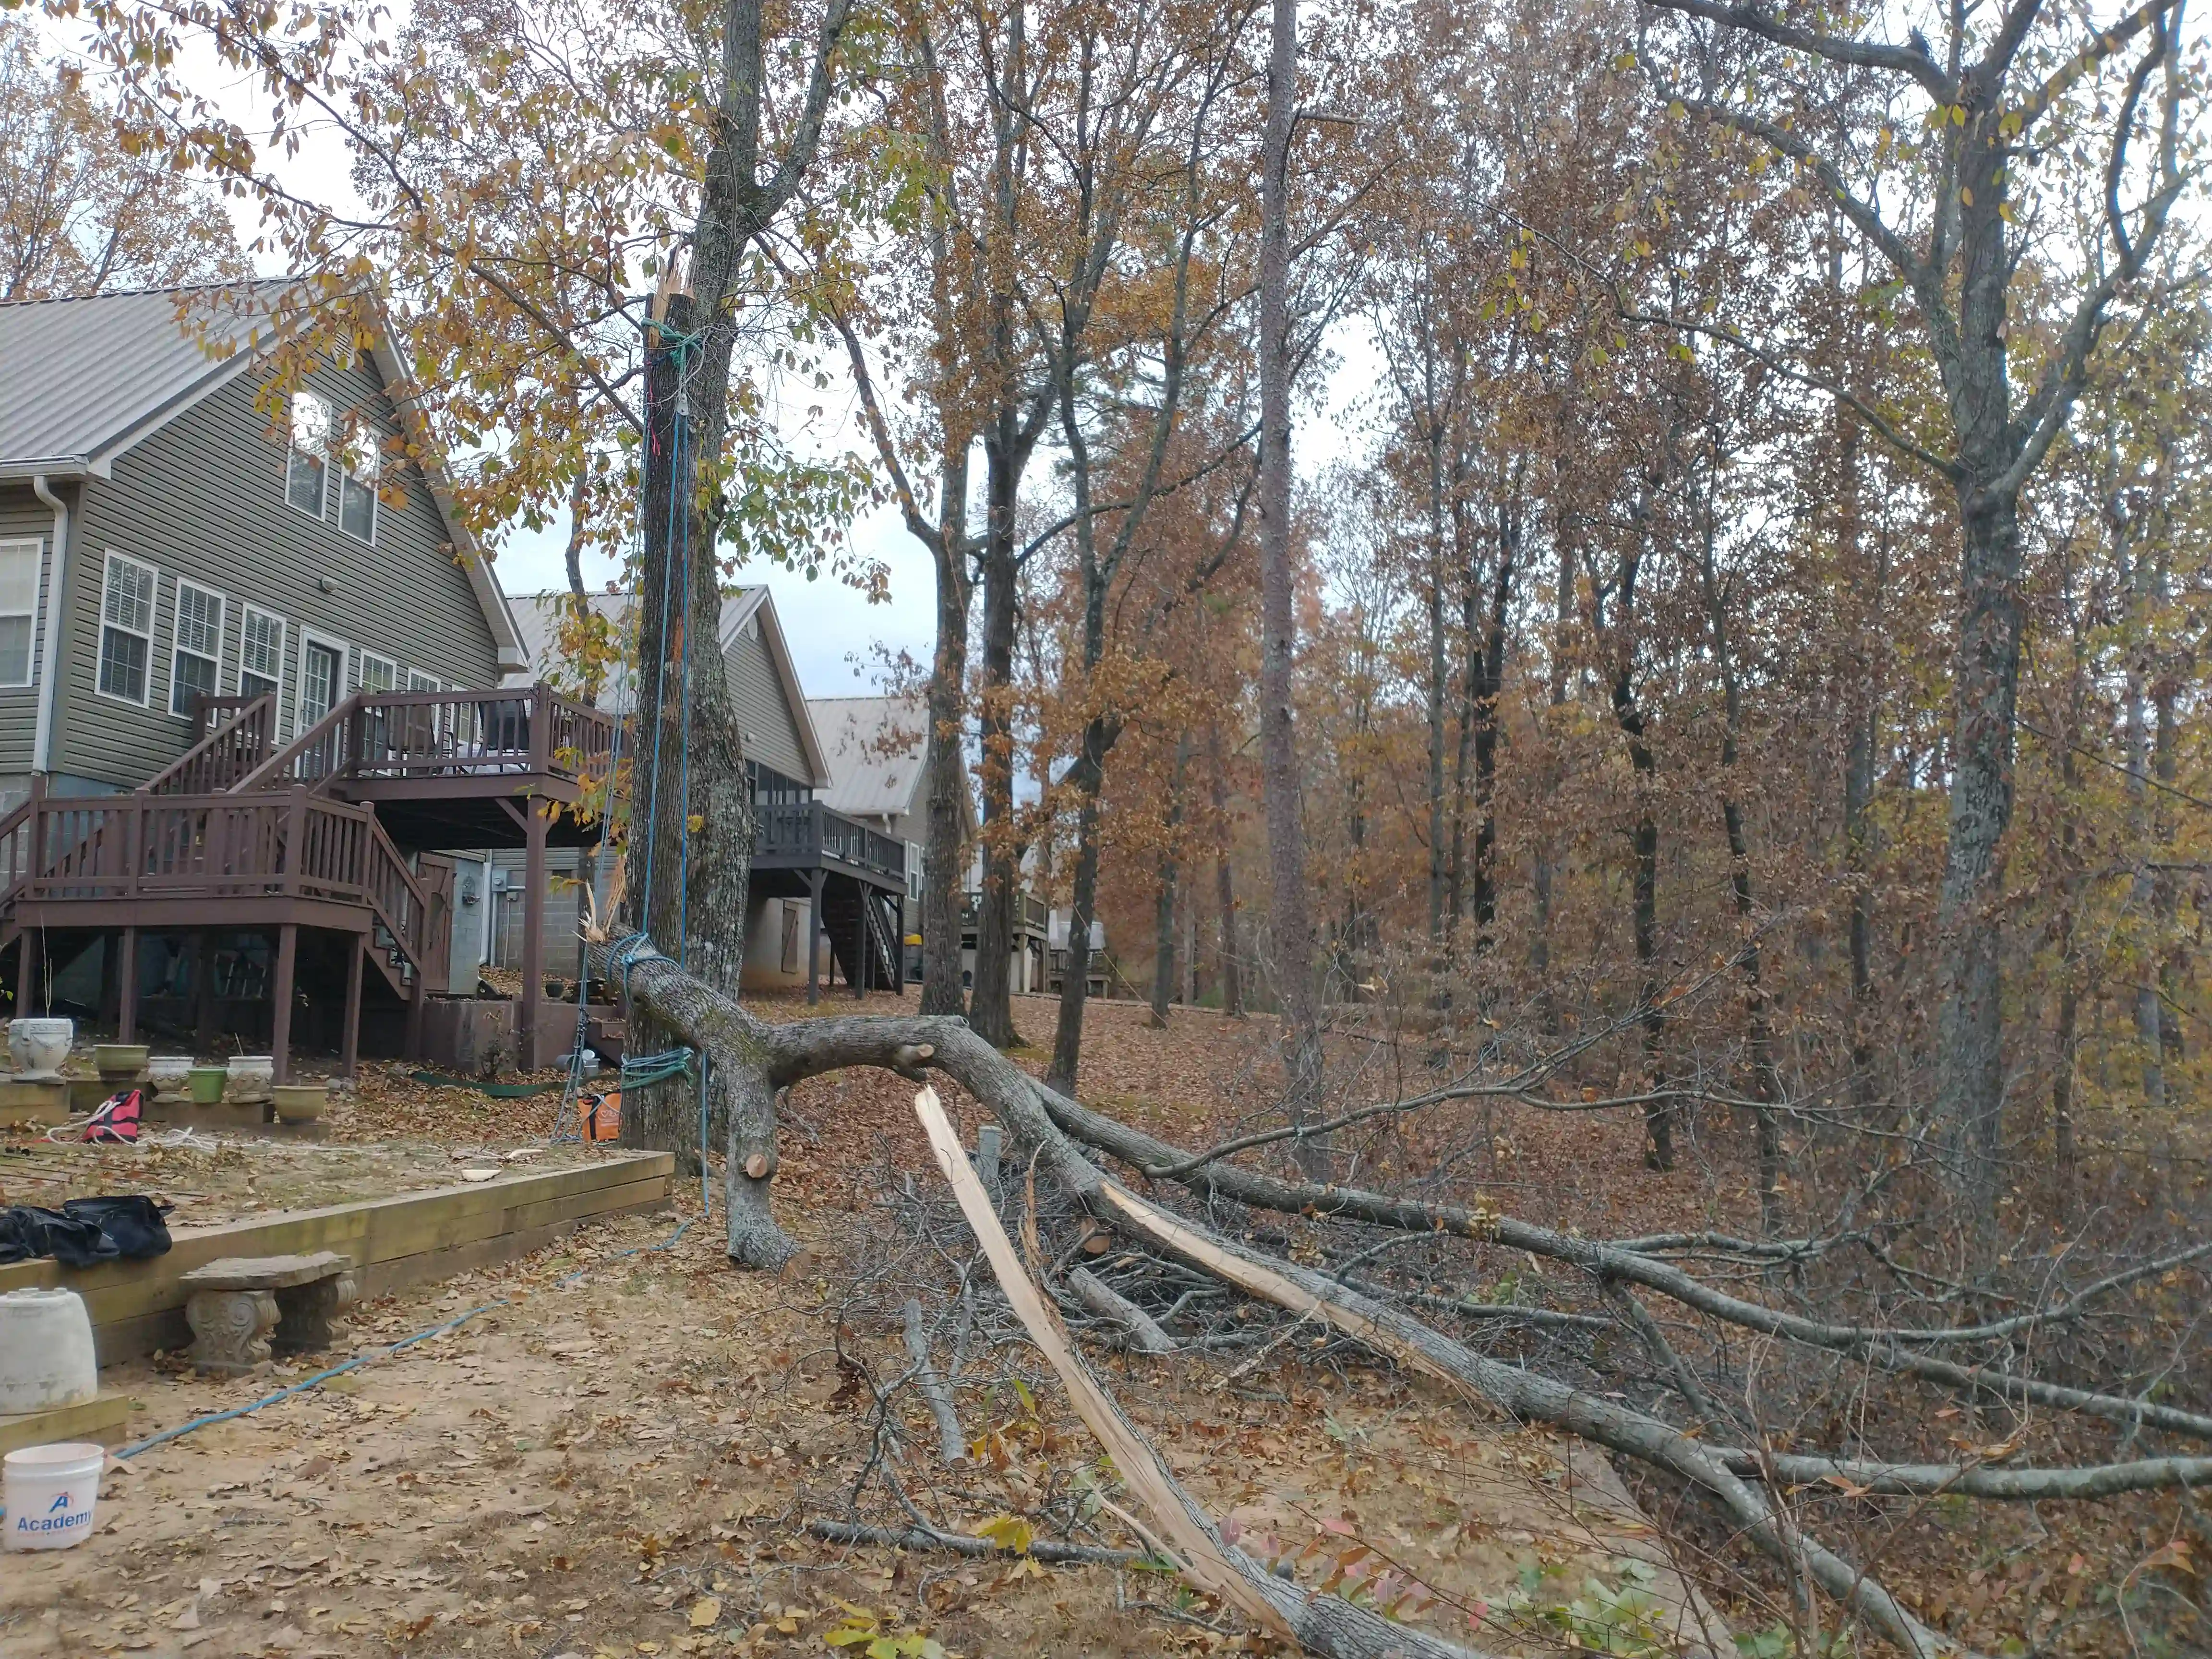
(683, 773)
(385, 1352)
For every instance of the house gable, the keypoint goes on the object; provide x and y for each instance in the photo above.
(201, 499)
(772, 727)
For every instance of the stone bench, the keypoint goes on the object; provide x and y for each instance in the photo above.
(241, 1308)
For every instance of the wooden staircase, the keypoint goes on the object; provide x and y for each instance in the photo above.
(862, 928)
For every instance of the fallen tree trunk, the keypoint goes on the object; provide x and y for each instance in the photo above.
(960, 1543)
(772, 1057)
(1609, 1264)
(1139, 1330)
(1316, 1622)
(951, 1443)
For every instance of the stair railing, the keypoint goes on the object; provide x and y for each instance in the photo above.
(226, 754)
(316, 757)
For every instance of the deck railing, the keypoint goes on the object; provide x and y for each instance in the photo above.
(429, 734)
(1030, 912)
(265, 843)
(804, 833)
(236, 735)
(444, 735)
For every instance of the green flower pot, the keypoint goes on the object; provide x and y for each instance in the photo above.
(203, 1085)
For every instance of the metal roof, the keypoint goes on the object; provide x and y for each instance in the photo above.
(82, 379)
(877, 752)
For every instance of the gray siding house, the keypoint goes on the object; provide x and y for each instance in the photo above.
(168, 527)
(251, 682)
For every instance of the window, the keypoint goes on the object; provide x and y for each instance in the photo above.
(19, 609)
(306, 471)
(260, 654)
(357, 461)
(192, 669)
(419, 681)
(379, 673)
(126, 629)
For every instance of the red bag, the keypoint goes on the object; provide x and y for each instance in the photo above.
(116, 1120)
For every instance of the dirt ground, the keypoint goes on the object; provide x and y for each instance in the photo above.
(620, 1455)
(610, 1464)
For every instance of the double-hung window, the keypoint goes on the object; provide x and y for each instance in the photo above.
(260, 654)
(196, 662)
(357, 461)
(378, 673)
(19, 609)
(307, 466)
(126, 629)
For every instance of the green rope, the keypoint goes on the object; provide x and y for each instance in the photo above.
(655, 1068)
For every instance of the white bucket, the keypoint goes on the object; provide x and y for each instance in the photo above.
(51, 1491)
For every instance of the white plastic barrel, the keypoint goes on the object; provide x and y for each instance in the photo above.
(47, 1356)
(51, 1491)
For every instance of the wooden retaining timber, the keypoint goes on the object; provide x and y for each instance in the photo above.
(137, 1307)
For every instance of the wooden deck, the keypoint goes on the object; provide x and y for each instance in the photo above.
(243, 832)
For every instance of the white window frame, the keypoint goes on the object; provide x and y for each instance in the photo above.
(361, 660)
(293, 449)
(418, 681)
(338, 693)
(367, 445)
(37, 549)
(246, 614)
(176, 638)
(153, 615)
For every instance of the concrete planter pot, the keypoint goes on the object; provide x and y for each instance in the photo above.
(39, 1047)
(247, 1078)
(300, 1103)
(169, 1073)
(120, 1062)
(45, 1351)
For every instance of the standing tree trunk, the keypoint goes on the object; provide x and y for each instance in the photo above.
(1563, 611)
(1224, 884)
(1164, 914)
(1862, 703)
(1098, 735)
(945, 853)
(2134, 570)
(690, 855)
(1970, 1047)
(1486, 671)
(990, 1004)
(1291, 929)
(691, 851)
(1759, 1038)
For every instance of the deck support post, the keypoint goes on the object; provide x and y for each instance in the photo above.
(417, 1006)
(26, 975)
(126, 988)
(280, 1015)
(814, 879)
(349, 1036)
(204, 992)
(861, 945)
(533, 931)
